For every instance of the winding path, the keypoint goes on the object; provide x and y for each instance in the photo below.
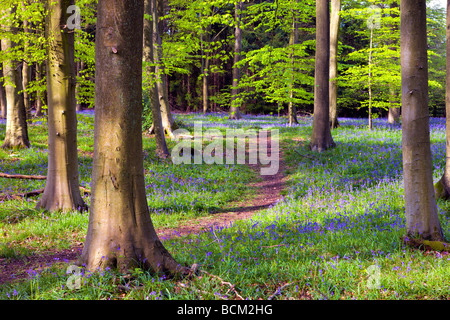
(268, 193)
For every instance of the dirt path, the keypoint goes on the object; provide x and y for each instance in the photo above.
(268, 193)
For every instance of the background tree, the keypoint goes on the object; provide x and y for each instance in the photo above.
(421, 209)
(2, 93)
(442, 187)
(161, 146)
(16, 125)
(321, 138)
(161, 79)
(234, 108)
(62, 187)
(334, 41)
(120, 231)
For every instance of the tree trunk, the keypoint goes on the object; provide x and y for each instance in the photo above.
(120, 231)
(62, 190)
(234, 108)
(321, 138)
(293, 39)
(2, 93)
(161, 146)
(334, 42)
(205, 37)
(370, 77)
(26, 74)
(393, 111)
(79, 68)
(161, 82)
(16, 121)
(442, 187)
(420, 203)
(39, 99)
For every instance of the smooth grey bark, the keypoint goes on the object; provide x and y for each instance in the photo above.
(442, 187)
(420, 203)
(334, 42)
(16, 120)
(161, 84)
(161, 146)
(120, 231)
(393, 112)
(321, 138)
(62, 190)
(234, 108)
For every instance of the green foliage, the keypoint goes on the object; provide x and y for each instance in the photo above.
(385, 69)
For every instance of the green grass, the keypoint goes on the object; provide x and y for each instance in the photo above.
(342, 214)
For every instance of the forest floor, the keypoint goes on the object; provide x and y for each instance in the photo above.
(267, 193)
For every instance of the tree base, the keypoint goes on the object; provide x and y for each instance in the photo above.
(441, 190)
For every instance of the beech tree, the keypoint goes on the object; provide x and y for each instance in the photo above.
(120, 231)
(420, 203)
(2, 94)
(62, 187)
(442, 187)
(161, 147)
(16, 122)
(321, 138)
(161, 80)
(234, 108)
(334, 41)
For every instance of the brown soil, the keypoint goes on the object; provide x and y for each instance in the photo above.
(268, 193)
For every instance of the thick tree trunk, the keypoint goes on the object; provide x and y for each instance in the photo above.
(334, 41)
(120, 231)
(420, 203)
(321, 138)
(161, 146)
(16, 122)
(62, 187)
(234, 108)
(442, 187)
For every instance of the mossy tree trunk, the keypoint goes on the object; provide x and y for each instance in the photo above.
(62, 186)
(321, 138)
(161, 146)
(420, 203)
(120, 232)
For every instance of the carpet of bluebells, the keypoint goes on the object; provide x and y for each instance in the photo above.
(341, 217)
